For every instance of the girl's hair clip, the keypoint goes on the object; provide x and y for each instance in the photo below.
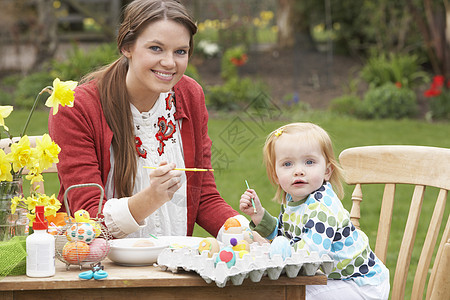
(278, 132)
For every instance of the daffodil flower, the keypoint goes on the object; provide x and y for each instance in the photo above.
(47, 152)
(62, 94)
(5, 111)
(5, 166)
(22, 153)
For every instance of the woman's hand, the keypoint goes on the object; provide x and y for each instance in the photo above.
(164, 182)
(246, 206)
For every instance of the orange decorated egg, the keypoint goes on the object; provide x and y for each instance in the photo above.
(75, 252)
(233, 226)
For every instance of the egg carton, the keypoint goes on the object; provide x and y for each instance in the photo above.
(253, 265)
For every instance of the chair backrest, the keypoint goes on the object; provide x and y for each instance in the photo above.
(5, 144)
(414, 165)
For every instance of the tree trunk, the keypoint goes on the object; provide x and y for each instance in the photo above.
(293, 25)
(285, 12)
(46, 41)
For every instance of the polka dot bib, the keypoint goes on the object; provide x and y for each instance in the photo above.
(323, 225)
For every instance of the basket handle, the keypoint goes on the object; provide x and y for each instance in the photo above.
(84, 185)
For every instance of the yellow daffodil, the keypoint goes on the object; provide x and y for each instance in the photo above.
(14, 202)
(34, 177)
(63, 94)
(5, 111)
(5, 166)
(22, 154)
(47, 152)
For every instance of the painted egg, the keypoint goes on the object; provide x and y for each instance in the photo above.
(233, 226)
(209, 244)
(83, 232)
(98, 250)
(75, 252)
(242, 253)
(248, 235)
(280, 245)
(240, 245)
(97, 227)
(227, 255)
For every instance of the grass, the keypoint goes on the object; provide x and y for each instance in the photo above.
(237, 156)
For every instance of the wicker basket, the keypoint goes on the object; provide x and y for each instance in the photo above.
(83, 243)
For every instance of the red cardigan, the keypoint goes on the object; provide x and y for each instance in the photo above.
(85, 139)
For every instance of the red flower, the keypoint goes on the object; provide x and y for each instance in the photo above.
(436, 86)
(398, 84)
(239, 61)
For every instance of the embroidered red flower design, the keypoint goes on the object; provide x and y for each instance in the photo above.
(170, 100)
(165, 132)
(140, 150)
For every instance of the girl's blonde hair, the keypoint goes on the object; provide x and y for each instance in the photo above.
(311, 132)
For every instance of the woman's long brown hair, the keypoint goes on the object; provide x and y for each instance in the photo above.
(111, 85)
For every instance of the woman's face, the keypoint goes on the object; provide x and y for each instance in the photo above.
(157, 61)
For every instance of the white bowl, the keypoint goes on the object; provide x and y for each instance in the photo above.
(125, 252)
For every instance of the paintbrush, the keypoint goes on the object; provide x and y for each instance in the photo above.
(253, 202)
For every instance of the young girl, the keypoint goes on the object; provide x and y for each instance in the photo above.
(300, 161)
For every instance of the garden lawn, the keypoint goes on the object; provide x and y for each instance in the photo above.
(237, 156)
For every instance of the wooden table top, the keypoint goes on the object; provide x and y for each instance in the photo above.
(126, 277)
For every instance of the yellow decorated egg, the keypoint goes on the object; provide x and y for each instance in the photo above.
(209, 244)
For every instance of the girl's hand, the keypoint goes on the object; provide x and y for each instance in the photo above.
(246, 206)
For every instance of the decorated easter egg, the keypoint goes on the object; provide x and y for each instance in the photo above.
(227, 255)
(232, 226)
(248, 235)
(97, 227)
(239, 245)
(75, 252)
(83, 232)
(242, 253)
(98, 249)
(209, 244)
(280, 245)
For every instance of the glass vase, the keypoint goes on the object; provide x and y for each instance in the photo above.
(11, 224)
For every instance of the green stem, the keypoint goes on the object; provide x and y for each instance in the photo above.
(46, 89)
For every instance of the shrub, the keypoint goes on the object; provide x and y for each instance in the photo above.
(389, 102)
(80, 62)
(28, 87)
(402, 68)
(232, 59)
(346, 104)
(192, 72)
(235, 93)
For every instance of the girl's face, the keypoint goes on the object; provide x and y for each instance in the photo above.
(300, 165)
(157, 61)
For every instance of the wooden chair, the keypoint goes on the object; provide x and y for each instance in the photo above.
(415, 165)
(5, 144)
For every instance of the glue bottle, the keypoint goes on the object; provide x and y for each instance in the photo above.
(40, 248)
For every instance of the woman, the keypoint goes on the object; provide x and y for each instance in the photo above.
(141, 111)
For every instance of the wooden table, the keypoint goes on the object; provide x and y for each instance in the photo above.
(148, 283)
